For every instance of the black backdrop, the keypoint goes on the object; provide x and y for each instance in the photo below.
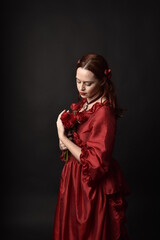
(42, 41)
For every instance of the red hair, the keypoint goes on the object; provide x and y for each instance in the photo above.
(100, 68)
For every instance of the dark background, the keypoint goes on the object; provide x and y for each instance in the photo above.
(42, 41)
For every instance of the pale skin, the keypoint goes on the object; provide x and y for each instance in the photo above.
(88, 87)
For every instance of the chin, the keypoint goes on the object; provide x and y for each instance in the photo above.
(83, 96)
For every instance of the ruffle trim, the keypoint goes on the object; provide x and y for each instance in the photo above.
(95, 106)
(84, 154)
(85, 166)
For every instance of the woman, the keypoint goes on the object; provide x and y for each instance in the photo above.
(91, 203)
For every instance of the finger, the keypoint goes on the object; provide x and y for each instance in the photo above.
(62, 145)
(63, 111)
(61, 114)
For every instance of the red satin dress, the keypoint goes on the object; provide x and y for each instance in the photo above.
(91, 200)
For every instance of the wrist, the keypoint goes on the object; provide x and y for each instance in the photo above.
(62, 137)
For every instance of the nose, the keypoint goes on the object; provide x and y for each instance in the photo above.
(82, 88)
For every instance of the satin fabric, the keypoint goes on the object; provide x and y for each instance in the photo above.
(91, 201)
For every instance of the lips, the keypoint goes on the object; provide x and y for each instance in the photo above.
(82, 93)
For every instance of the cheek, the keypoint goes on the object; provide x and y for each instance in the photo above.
(93, 90)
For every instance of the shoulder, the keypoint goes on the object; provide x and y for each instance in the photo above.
(103, 110)
(104, 115)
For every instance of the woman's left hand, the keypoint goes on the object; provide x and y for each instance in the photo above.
(60, 127)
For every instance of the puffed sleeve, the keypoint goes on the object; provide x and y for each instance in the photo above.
(96, 152)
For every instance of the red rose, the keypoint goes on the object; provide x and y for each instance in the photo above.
(80, 117)
(65, 116)
(74, 106)
(68, 120)
(77, 140)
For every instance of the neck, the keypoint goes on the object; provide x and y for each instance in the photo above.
(92, 100)
(89, 101)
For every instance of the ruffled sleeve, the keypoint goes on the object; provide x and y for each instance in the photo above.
(96, 152)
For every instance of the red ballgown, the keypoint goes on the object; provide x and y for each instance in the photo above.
(91, 201)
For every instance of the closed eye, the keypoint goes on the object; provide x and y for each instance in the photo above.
(78, 81)
(86, 83)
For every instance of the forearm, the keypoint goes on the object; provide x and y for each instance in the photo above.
(72, 147)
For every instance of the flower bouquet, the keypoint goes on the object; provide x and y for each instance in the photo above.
(71, 120)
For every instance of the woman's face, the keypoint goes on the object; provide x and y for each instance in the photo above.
(88, 86)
